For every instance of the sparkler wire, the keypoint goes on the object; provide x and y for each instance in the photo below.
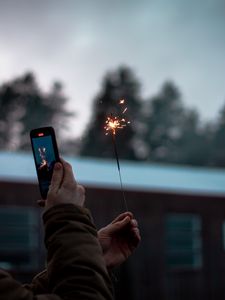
(118, 166)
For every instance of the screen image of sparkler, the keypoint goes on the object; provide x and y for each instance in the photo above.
(44, 159)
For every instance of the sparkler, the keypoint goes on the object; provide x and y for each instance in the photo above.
(112, 124)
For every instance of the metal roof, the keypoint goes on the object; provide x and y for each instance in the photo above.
(19, 167)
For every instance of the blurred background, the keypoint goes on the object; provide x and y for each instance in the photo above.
(67, 64)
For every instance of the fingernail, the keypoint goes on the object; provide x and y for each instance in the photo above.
(57, 166)
(134, 222)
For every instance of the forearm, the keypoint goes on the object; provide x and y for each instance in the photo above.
(10, 289)
(76, 268)
(39, 284)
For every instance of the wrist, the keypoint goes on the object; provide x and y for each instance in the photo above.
(109, 262)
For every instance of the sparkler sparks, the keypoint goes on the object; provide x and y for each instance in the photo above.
(113, 123)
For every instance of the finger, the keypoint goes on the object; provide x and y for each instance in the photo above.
(80, 193)
(122, 216)
(68, 173)
(134, 223)
(57, 177)
(119, 225)
(41, 203)
(136, 237)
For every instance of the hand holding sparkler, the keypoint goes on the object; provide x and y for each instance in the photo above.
(119, 239)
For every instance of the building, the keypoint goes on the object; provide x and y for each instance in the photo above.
(181, 215)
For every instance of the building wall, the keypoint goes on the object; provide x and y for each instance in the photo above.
(151, 272)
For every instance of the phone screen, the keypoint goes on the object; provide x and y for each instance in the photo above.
(45, 155)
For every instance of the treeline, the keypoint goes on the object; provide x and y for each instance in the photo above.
(162, 129)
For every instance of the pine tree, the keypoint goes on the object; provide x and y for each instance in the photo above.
(117, 85)
(163, 124)
(218, 144)
(194, 144)
(23, 106)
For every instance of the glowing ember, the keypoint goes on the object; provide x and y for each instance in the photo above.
(113, 123)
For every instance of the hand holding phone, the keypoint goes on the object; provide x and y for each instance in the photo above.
(64, 189)
(45, 151)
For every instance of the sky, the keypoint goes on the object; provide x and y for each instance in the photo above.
(78, 42)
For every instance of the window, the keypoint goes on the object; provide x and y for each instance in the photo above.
(19, 238)
(183, 241)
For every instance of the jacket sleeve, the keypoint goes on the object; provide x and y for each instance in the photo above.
(75, 266)
(39, 284)
(10, 289)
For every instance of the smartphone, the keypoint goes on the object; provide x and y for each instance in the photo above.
(45, 151)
